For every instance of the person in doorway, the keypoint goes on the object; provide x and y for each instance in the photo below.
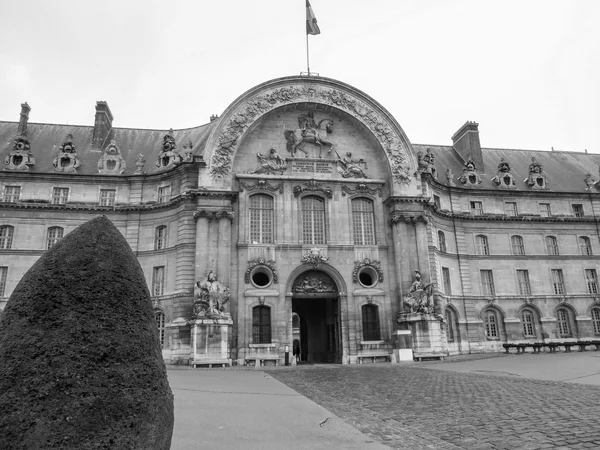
(296, 351)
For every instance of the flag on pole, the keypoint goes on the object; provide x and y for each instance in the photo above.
(311, 21)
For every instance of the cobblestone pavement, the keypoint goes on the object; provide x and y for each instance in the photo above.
(419, 408)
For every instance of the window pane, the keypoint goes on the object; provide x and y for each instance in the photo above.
(6, 237)
(585, 245)
(158, 280)
(527, 320)
(491, 326)
(261, 325)
(442, 241)
(449, 326)
(545, 210)
(313, 220)
(481, 245)
(592, 281)
(551, 245)
(517, 245)
(159, 316)
(370, 317)
(54, 234)
(3, 275)
(363, 222)
(160, 238)
(446, 281)
(487, 282)
(596, 320)
(511, 209)
(261, 219)
(558, 285)
(523, 282)
(564, 327)
(12, 194)
(107, 197)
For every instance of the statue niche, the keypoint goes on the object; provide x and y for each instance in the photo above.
(20, 157)
(308, 133)
(111, 163)
(210, 297)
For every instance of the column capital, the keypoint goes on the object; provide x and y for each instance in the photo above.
(408, 218)
(224, 215)
(203, 214)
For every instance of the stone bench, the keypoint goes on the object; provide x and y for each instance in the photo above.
(259, 360)
(210, 363)
(373, 356)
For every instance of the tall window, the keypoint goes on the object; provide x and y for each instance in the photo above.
(60, 195)
(164, 194)
(436, 201)
(313, 220)
(54, 235)
(363, 222)
(516, 243)
(585, 246)
(159, 316)
(558, 282)
(6, 237)
(446, 281)
(481, 245)
(592, 281)
(107, 197)
(564, 322)
(487, 282)
(551, 245)
(577, 210)
(477, 208)
(528, 326)
(523, 282)
(442, 241)
(491, 324)
(160, 237)
(544, 209)
(261, 325)
(158, 280)
(450, 325)
(511, 209)
(596, 320)
(12, 194)
(261, 219)
(370, 321)
(3, 274)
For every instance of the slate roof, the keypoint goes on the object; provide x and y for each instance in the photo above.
(564, 171)
(46, 139)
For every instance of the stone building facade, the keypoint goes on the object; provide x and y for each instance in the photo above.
(308, 202)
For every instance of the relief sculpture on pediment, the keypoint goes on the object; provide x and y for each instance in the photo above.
(309, 132)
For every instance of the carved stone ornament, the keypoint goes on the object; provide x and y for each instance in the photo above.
(260, 261)
(229, 215)
(261, 185)
(426, 163)
(313, 186)
(470, 177)
(204, 214)
(361, 189)
(419, 298)
(112, 163)
(450, 178)
(309, 132)
(352, 168)
(210, 298)
(188, 154)
(168, 157)
(376, 265)
(228, 140)
(20, 157)
(66, 160)
(270, 164)
(590, 182)
(139, 164)
(315, 257)
(314, 283)
(503, 178)
(536, 180)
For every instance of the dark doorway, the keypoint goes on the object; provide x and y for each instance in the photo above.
(319, 329)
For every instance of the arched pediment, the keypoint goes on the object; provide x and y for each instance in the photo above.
(244, 112)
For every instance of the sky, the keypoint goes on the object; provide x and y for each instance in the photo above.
(528, 71)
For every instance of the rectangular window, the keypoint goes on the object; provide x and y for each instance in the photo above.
(528, 328)
(3, 274)
(261, 219)
(558, 282)
(446, 281)
(523, 282)
(511, 209)
(107, 197)
(592, 280)
(12, 194)
(363, 223)
(313, 220)
(436, 201)
(370, 320)
(261, 325)
(545, 210)
(60, 195)
(551, 245)
(487, 282)
(158, 280)
(477, 208)
(578, 210)
(164, 194)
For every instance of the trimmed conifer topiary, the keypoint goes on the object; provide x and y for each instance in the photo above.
(80, 360)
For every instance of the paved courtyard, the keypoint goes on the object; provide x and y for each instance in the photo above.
(487, 404)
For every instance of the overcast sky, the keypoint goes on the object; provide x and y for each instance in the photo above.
(527, 70)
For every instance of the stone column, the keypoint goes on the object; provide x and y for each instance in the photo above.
(223, 268)
(402, 257)
(203, 218)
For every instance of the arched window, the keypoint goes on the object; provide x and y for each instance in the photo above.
(370, 321)
(551, 245)
(451, 325)
(528, 324)
(261, 219)
(363, 222)
(491, 324)
(441, 241)
(596, 320)
(585, 246)
(159, 316)
(261, 325)
(481, 245)
(160, 237)
(54, 235)
(563, 322)
(6, 236)
(313, 220)
(516, 243)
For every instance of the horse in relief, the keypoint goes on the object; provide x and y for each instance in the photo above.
(296, 139)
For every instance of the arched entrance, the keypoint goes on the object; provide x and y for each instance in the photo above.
(316, 304)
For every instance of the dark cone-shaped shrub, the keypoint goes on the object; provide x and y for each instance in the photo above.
(80, 362)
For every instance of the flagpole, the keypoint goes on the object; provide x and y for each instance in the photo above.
(307, 60)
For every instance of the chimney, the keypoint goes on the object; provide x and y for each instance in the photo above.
(466, 142)
(25, 108)
(102, 124)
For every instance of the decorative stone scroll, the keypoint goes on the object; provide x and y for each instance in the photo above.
(315, 257)
(470, 177)
(229, 215)
(20, 157)
(111, 163)
(313, 186)
(536, 180)
(168, 157)
(260, 261)
(228, 140)
(204, 214)
(503, 178)
(261, 185)
(67, 159)
(376, 265)
(361, 189)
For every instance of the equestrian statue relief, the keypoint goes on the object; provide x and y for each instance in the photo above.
(309, 133)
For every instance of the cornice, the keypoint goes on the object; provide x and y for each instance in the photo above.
(519, 218)
(405, 199)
